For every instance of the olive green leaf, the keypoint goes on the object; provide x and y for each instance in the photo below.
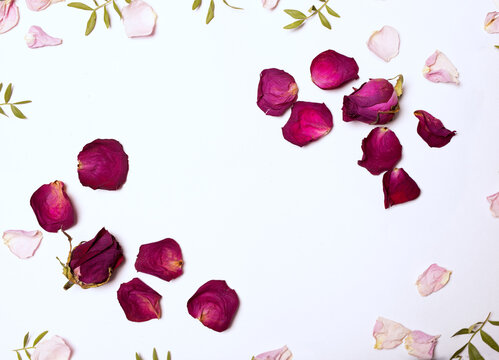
(497, 47)
(231, 6)
(26, 337)
(459, 351)
(489, 341)
(19, 356)
(27, 354)
(496, 323)
(107, 20)
(295, 14)
(2, 112)
(1, 86)
(169, 356)
(41, 336)
(211, 12)
(79, 5)
(294, 25)
(137, 357)
(117, 9)
(332, 12)
(8, 95)
(473, 353)
(91, 23)
(324, 20)
(154, 354)
(462, 332)
(17, 113)
(22, 102)
(196, 4)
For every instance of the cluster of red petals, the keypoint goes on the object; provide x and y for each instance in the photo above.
(432, 131)
(399, 187)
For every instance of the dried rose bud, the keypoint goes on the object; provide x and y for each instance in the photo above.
(277, 91)
(438, 68)
(52, 207)
(433, 279)
(139, 301)
(330, 70)
(381, 151)
(492, 22)
(22, 243)
(432, 131)
(421, 345)
(103, 164)
(375, 102)
(308, 122)
(280, 354)
(388, 334)
(162, 259)
(214, 304)
(399, 187)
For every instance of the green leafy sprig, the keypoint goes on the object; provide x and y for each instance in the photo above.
(154, 355)
(211, 9)
(301, 18)
(474, 329)
(13, 106)
(92, 20)
(26, 346)
(496, 46)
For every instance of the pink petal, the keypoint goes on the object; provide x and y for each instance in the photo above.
(494, 204)
(432, 131)
(381, 151)
(421, 345)
(139, 19)
(37, 38)
(385, 43)
(399, 187)
(438, 68)
(53, 349)
(433, 279)
(279, 354)
(388, 334)
(270, 4)
(492, 22)
(9, 15)
(22, 243)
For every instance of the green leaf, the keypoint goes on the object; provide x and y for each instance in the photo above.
(459, 351)
(2, 112)
(154, 354)
(1, 86)
(473, 353)
(79, 5)
(22, 102)
(295, 14)
(91, 23)
(40, 337)
(324, 21)
(107, 20)
(117, 9)
(17, 113)
(128, 1)
(19, 356)
(211, 12)
(497, 47)
(496, 323)
(489, 341)
(137, 357)
(229, 5)
(294, 25)
(332, 12)
(27, 354)
(169, 356)
(8, 93)
(26, 337)
(463, 331)
(196, 4)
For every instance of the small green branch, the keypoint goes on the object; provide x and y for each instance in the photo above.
(301, 18)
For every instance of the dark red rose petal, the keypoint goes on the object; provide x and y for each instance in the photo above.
(330, 70)
(277, 91)
(162, 259)
(139, 301)
(432, 131)
(399, 187)
(381, 151)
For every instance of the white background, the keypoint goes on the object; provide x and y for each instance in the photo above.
(300, 233)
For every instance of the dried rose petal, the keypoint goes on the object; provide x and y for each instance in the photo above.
(37, 5)
(277, 91)
(330, 69)
(214, 304)
(385, 43)
(492, 22)
(52, 207)
(432, 131)
(438, 68)
(270, 4)
(22, 243)
(103, 164)
(37, 38)
(139, 301)
(9, 15)
(433, 279)
(421, 345)
(308, 122)
(381, 151)
(139, 19)
(162, 259)
(54, 348)
(399, 187)
(280, 354)
(494, 204)
(388, 334)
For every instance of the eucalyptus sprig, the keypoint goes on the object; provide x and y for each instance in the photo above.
(474, 329)
(92, 20)
(211, 9)
(26, 346)
(302, 18)
(6, 97)
(154, 355)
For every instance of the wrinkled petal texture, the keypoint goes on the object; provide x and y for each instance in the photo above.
(330, 69)
(280, 354)
(139, 301)
(270, 4)
(433, 279)
(432, 131)
(492, 22)
(388, 334)
(375, 102)
(92, 262)
(139, 19)
(37, 38)
(399, 187)
(494, 204)
(214, 304)
(438, 68)
(103, 164)
(54, 348)
(277, 91)
(162, 259)
(421, 345)
(22, 243)
(308, 122)
(52, 207)
(385, 43)
(381, 151)
(9, 15)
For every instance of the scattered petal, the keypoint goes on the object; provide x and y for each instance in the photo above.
(22, 243)
(433, 279)
(9, 15)
(399, 187)
(139, 301)
(421, 345)
(37, 5)
(36, 38)
(139, 19)
(270, 4)
(385, 43)
(388, 334)
(330, 69)
(432, 131)
(492, 22)
(162, 259)
(381, 151)
(438, 68)
(277, 91)
(54, 348)
(280, 354)
(494, 204)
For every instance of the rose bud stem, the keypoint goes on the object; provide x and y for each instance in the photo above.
(65, 268)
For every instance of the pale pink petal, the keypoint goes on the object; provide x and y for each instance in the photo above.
(9, 15)
(280, 354)
(37, 5)
(433, 279)
(421, 345)
(270, 4)
(388, 334)
(494, 204)
(438, 68)
(492, 22)
(54, 348)
(22, 243)
(139, 19)
(385, 43)
(36, 38)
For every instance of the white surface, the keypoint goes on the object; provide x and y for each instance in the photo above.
(301, 234)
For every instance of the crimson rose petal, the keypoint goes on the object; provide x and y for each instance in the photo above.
(103, 164)
(399, 187)
(52, 207)
(308, 122)
(139, 301)
(277, 91)
(214, 304)
(162, 259)
(382, 151)
(330, 69)
(432, 131)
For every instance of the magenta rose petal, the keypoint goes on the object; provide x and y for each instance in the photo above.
(277, 91)
(52, 207)
(432, 131)
(139, 301)
(399, 187)
(308, 122)
(214, 304)
(381, 151)
(103, 164)
(162, 259)
(330, 69)
(421, 345)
